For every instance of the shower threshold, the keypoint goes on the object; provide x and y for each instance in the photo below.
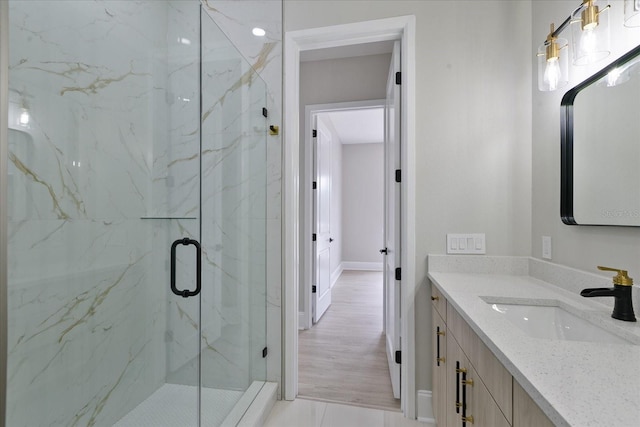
(172, 405)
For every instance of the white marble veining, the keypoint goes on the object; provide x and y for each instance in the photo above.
(575, 383)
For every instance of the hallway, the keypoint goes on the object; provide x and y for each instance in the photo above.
(342, 358)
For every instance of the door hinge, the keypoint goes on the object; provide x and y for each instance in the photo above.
(398, 78)
(398, 357)
(265, 112)
(398, 175)
(315, 185)
(264, 352)
(314, 133)
(313, 289)
(313, 237)
(398, 274)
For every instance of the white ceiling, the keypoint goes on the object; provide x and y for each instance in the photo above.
(358, 126)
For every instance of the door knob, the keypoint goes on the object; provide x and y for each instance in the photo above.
(383, 251)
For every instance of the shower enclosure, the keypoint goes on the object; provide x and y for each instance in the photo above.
(136, 217)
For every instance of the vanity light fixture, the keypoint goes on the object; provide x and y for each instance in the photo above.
(632, 13)
(590, 43)
(590, 32)
(552, 66)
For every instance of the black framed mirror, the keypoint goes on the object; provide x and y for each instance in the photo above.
(600, 147)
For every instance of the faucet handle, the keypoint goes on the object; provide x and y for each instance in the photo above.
(619, 279)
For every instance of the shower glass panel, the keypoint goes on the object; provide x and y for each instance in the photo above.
(133, 125)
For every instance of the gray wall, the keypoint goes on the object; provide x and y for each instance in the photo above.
(473, 127)
(362, 202)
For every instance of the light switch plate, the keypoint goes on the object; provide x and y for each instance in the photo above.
(466, 243)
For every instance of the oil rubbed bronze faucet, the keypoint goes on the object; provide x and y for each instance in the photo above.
(621, 291)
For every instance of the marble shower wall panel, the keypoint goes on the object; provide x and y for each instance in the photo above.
(233, 204)
(176, 150)
(86, 315)
(236, 19)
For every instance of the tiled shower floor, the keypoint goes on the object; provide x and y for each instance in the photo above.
(173, 405)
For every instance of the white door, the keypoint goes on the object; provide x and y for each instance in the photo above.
(392, 221)
(322, 225)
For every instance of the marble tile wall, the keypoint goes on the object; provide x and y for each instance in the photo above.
(106, 145)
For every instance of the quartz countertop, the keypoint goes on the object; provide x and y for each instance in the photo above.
(575, 383)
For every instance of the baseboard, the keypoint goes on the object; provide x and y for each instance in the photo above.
(425, 406)
(336, 274)
(302, 321)
(365, 266)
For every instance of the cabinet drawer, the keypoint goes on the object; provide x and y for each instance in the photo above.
(438, 301)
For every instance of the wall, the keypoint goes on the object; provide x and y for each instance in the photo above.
(581, 247)
(473, 109)
(363, 202)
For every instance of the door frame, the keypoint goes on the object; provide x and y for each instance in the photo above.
(399, 28)
(4, 143)
(307, 224)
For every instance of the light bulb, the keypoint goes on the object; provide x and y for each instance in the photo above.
(588, 43)
(258, 32)
(552, 73)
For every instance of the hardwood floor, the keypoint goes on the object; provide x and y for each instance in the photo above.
(343, 358)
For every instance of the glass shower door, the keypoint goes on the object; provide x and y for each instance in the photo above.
(234, 175)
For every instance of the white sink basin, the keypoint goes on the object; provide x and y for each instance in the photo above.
(553, 322)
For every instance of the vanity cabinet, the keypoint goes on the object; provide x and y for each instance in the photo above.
(469, 381)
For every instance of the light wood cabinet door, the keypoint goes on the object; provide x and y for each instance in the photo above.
(526, 413)
(480, 404)
(455, 360)
(439, 387)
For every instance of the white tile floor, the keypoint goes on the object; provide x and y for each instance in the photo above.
(309, 413)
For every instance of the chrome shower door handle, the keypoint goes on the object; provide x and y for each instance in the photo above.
(185, 293)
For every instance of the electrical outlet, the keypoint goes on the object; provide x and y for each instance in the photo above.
(546, 247)
(466, 243)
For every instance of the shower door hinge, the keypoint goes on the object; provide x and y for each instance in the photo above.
(264, 352)
(398, 175)
(315, 185)
(314, 133)
(398, 78)
(313, 289)
(398, 357)
(398, 274)
(313, 237)
(265, 112)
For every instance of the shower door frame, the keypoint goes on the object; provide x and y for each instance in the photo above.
(4, 126)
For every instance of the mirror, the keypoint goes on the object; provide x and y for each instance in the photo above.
(600, 151)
